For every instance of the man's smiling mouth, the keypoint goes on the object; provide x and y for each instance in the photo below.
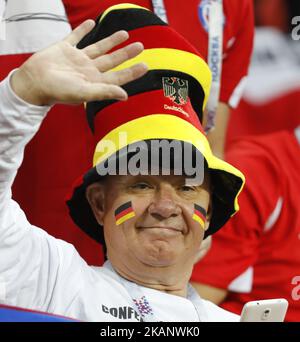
(162, 229)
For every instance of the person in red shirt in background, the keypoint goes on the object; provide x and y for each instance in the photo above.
(257, 255)
(43, 197)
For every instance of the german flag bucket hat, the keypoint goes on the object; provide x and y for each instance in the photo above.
(166, 104)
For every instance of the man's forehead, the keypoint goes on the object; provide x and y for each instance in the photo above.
(129, 179)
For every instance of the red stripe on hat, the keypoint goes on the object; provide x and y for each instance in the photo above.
(138, 106)
(168, 39)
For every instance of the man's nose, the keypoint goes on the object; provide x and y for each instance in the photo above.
(164, 205)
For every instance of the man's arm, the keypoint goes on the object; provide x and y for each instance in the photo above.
(33, 264)
(20, 250)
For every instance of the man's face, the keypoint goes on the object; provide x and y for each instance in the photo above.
(162, 232)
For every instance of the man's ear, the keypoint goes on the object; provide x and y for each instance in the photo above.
(95, 196)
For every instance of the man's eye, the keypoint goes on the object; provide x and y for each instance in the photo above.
(141, 186)
(186, 188)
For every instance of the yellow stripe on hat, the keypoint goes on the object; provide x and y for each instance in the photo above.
(199, 220)
(125, 218)
(177, 60)
(154, 126)
(120, 7)
(161, 126)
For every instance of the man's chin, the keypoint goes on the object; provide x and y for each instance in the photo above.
(159, 256)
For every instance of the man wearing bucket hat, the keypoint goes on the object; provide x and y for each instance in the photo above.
(152, 223)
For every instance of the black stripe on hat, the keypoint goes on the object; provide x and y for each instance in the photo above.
(120, 19)
(151, 81)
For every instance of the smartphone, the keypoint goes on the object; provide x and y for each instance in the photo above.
(269, 310)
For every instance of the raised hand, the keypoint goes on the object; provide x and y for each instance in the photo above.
(64, 74)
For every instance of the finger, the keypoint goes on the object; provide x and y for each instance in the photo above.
(99, 92)
(105, 45)
(125, 76)
(80, 31)
(112, 60)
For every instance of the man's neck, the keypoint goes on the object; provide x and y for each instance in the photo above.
(165, 279)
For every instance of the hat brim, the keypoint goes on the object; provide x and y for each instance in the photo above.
(227, 181)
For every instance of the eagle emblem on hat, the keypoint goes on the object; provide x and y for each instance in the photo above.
(176, 89)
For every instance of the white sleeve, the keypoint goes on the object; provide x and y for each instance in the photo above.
(34, 267)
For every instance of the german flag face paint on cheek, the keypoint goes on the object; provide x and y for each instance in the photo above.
(124, 213)
(199, 215)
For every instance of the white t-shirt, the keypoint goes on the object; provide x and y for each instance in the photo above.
(40, 272)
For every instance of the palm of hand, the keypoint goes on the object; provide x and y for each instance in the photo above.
(64, 74)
